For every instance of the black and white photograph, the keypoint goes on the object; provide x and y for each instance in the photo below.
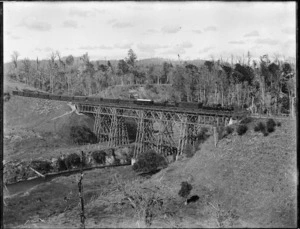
(149, 114)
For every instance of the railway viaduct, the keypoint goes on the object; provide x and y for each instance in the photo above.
(167, 130)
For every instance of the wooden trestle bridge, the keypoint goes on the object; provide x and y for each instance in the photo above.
(175, 127)
(166, 129)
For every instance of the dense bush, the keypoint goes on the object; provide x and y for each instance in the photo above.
(41, 166)
(149, 162)
(73, 160)
(229, 129)
(185, 189)
(82, 135)
(99, 156)
(260, 127)
(189, 150)
(246, 120)
(61, 163)
(241, 129)
(278, 123)
(271, 125)
(202, 135)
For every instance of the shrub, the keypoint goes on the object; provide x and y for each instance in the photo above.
(99, 156)
(278, 123)
(73, 160)
(185, 189)
(228, 129)
(202, 135)
(148, 201)
(189, 150)
(246, 120)
(41, 166)
(271, 125)
(82, 135)
(265, 133)
(61, 163)
(149, 162)
(241, 129)
(260, 127)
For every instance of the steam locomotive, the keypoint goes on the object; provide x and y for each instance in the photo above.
(141, 102)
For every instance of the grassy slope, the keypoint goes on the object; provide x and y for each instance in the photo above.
(251, 176)
(29, 128)
(53, 200)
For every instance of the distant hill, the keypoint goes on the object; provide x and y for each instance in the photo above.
(141, 62)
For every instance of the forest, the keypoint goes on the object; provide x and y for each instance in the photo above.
(265, 86)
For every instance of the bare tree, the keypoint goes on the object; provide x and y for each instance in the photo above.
(51, 70)
(62, 63)
(14, 57)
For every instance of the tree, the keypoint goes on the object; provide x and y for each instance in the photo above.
(123, 69)
(14, 57)
(88, 73)
(26, 71)
(69, 64)
(131, 58)
(166, 70)
(70, 60)
(179, 82)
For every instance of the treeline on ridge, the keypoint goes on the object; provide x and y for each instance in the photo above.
(267, 86)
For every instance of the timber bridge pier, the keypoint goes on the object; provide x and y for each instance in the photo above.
(166, 129)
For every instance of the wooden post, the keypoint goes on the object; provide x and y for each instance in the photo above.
(80, 188)
(215, 135)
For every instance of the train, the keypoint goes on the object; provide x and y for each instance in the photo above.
(126, 102)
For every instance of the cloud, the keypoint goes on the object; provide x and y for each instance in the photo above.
(179, 48)
(15, 37)
(111, 21)
(95, 47)
(171, 29)
(152, 31)
(174, 51)
(150, 47)
(289, 30)
(47, 49)
(123, 45)
(266, 41)
(206, 49)
(197, 31)
(33, 24)
(79, 12)
(121, 25)
(236, 42)
(12, 36)
(70, 24)
(252, 34)
(186, 44)
(210, 28)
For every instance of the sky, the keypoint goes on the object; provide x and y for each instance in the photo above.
(107, 30)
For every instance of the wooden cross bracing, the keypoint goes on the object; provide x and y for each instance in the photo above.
(166, 132)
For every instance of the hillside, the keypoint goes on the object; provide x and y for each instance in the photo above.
(36, 127)
(247, 181)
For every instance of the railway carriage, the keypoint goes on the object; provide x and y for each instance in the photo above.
(66, 98)
(55, 97)
(144, 102)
